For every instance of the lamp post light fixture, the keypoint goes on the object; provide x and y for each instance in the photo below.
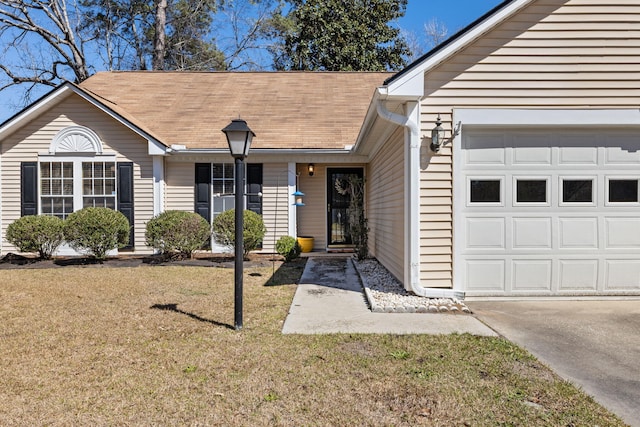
(239, 137)
(437, 136)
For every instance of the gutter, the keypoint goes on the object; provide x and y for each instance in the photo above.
(412, 196)
(175, 149)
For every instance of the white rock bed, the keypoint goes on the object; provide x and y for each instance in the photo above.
(386, 294)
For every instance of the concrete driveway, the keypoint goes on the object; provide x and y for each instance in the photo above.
(593, 344)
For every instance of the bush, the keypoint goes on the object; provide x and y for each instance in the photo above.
(288, 247)
(97, 231)
(177, 231)
(36, 233)
(252, 233)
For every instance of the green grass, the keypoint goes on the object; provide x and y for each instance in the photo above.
(155, 346)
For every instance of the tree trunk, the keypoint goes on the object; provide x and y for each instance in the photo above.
(159, 45)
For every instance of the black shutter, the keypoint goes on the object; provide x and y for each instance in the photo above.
(203, 190)
(28, 188)
(125, 196)
(254, 187)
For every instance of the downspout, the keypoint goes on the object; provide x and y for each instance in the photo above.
(412, 198)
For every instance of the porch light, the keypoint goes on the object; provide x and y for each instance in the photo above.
(239, 137)
(437, 136)
(311, 168)
(298, 198)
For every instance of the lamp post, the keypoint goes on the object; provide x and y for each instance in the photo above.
(239, 137)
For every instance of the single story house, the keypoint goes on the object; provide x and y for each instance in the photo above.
(528, 186)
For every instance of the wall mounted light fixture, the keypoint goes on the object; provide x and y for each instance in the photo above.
(437, 136)
(311, 168)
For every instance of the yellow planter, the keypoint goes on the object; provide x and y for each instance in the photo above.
(306, 243)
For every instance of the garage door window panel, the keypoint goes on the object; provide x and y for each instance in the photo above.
(622, 190)
(531, 191)
(485, 191)
(577, 191)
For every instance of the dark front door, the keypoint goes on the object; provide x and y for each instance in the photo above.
(337, 217)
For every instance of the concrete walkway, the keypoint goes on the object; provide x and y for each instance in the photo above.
(330, 299)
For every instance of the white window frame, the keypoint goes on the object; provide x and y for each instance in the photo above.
(499, 178)
(77, 161)
(620, 178)
(545, 178)
(594, 190)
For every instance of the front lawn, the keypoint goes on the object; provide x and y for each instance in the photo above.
(154, 345)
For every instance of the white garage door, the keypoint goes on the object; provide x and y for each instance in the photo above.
(547, 213)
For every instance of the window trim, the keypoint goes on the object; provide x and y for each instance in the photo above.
(608, 179)
(594, 190)
(499, 178)
(545, 178)
(77, 161)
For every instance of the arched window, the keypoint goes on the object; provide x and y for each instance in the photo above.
(76, 139)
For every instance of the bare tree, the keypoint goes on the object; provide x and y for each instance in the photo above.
(243, 42)
(436, 32)
(39, 51)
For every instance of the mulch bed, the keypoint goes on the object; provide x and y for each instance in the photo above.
(18, 261)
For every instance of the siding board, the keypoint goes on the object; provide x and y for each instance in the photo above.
(385, 204)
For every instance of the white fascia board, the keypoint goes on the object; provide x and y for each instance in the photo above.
(156, 148)
(412, 82)
(411, 85)
(26, 115)
(547, 117)
(369, 120)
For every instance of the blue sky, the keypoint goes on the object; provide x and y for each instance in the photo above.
(455, 14)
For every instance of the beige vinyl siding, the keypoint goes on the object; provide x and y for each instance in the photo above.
(179, 185)
(312, 218)
(35, 138)
(275, 203)
(554, 54)
(385, 204)
(180, 178)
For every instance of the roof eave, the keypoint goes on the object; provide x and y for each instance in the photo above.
(156, 146)
(27, 114)
(261, 151)
(411, 79)
(408, 84)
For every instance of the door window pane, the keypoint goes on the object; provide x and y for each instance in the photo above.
(223, 178)
(485, 191)
(577, 191)
(531, 191)
(623, 190)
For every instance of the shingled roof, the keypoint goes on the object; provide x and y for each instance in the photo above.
(304, 110)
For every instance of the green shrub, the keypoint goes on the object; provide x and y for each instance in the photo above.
(97, 231)
(36, 233)
(288, 247)
(253, 230)
(177, 231)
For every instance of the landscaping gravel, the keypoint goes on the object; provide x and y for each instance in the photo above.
(387, 295)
